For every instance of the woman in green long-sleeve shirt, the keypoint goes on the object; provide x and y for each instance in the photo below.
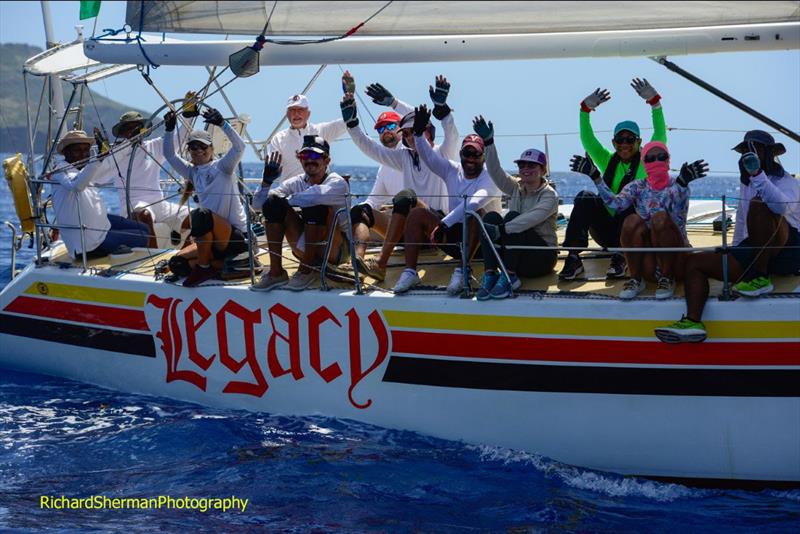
(617, 168)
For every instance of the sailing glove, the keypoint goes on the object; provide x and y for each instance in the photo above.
(349, 113)
(439, 97)
(750, 163)
(272, 169)
(212, 116)
(692, 171)
(483, 129)
(646, 91)
(584, 165)
(170, 121)
(421, 119)
(380, 95)
(348, 83)
(591, 102)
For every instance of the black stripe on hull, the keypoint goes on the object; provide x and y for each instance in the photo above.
(594, 379)
(81, 336)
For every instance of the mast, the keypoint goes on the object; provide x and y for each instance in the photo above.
(56, 92)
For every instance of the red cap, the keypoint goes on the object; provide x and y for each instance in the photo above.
(474, 141)
(387, 117)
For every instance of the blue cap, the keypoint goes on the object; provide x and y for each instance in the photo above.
(627, 125)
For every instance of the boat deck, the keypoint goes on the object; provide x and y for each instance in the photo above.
(435, 269)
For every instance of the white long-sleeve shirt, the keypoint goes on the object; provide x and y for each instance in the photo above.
(215, 182)
(781, 195)
(429, 188)
(481, 192)
(289, 141)
(72, 189)
(145, 188)
(388, 180)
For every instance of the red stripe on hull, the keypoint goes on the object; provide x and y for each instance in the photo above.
(81, 313)
(595, 350)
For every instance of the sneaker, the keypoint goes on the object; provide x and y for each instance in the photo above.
(408, 279)
(755, 287)
(573, 267)
(456, 284)
(505, 287)
(267, 282)
(300, 280)
(617, 267)
(665, 288)
(683, 331)
(198, 275)
(631, 288)
(487, 283)
(371, 268)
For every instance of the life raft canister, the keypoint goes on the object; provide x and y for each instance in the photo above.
(17, 178)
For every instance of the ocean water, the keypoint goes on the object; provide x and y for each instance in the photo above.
(315, 474)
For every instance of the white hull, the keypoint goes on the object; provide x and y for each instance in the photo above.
(601, 419)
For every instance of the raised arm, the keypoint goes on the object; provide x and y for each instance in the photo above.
(621, 201)
(599, 154)
(180, 165)
(651, 96)
(501, 179)
(81, 181)
(371, 148)
(439, 165)
(778, 201)
(227, 164)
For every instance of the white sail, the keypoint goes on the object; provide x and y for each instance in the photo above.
(447, 18)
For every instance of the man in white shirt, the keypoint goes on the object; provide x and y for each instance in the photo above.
(146, 200)
(318, 193)
(77, 204)
(469, 179)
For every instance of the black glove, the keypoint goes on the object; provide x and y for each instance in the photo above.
(584, 165)
(421, 119)
(170, 121)
(744, 176)
(212, 116)
(380, 95)
(439, 97)
(692, 171)
(349, 112)
(484, 130)
(272, 169)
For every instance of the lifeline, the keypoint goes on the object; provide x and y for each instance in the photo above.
(101, 502)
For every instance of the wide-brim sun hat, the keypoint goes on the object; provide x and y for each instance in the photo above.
(127, 118)
(73, 137)
(761, 137)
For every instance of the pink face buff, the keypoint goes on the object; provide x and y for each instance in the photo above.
(656, 165)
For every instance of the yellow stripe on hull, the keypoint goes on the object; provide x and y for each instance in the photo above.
(87, 294)
(581, 327)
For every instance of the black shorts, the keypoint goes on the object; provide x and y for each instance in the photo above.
(452, 242)
(786, 262)
(236, 245)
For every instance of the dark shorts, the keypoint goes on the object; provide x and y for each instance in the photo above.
(786, 262)
(236, 245)
(452, 242)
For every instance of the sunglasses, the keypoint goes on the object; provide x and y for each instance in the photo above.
(197, 146)
(471, 153)
(625, 139)
(661, 156)
(391, 127)
(528, 164)
(313, 156)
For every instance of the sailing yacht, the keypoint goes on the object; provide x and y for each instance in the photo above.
(569, 372)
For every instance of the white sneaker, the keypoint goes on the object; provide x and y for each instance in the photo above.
(408, 279)
(456, 282)
(631, 288)
(665, 288)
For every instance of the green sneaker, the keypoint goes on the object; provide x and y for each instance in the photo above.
(683, 331)
(755, 287)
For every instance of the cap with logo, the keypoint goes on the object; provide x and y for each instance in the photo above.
(297, 101)
(534, 156)
(473, 141)
(387, 117)
(315, 143)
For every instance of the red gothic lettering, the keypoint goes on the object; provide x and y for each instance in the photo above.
(315, 320)
(171, 344)
(196, 307)
(356, 375)
(248, 318)
(292, 320)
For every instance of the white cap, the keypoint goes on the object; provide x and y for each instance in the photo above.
(297, 101)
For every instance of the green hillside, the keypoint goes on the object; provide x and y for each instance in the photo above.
(13, 124)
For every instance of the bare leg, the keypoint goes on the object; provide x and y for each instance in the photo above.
(420, 224)
(765, 229)
(634, 234)
(699, 268)
(144, 216)
(291, 228)
(664, 233)
(315, 248)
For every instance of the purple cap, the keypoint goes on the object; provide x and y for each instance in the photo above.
(533, 155)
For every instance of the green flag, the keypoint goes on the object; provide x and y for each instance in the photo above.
(89, 8)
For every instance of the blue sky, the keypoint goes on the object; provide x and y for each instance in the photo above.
(520, 97)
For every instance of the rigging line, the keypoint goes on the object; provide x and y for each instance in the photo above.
(269, 18)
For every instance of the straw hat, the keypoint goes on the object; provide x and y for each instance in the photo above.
(73, 137)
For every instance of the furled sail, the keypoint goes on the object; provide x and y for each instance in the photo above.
(447, 18)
